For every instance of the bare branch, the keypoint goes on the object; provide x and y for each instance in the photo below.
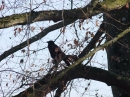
(92, 43)
(35, 38)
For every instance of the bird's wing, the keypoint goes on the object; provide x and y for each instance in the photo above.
(52, 51)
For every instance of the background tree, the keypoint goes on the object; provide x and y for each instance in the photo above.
(25, 63)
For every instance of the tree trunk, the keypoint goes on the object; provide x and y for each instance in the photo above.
(118, 53)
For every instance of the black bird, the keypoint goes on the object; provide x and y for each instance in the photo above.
(56, 53)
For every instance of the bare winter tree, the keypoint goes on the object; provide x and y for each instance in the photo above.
(28, 71)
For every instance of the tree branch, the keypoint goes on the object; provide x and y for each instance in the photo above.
(94, 8)
(35, 38)
(21, 19)
(47, 84)
(59, 91)
(92, 43)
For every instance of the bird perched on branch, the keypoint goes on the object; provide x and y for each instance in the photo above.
(56, 53)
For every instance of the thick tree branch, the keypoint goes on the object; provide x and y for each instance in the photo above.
(35, 38)
(55, 15)
(92, 9)
(59, 91)
(22, 19)
(48, 84)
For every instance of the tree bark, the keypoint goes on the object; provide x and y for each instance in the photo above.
(118, 53)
